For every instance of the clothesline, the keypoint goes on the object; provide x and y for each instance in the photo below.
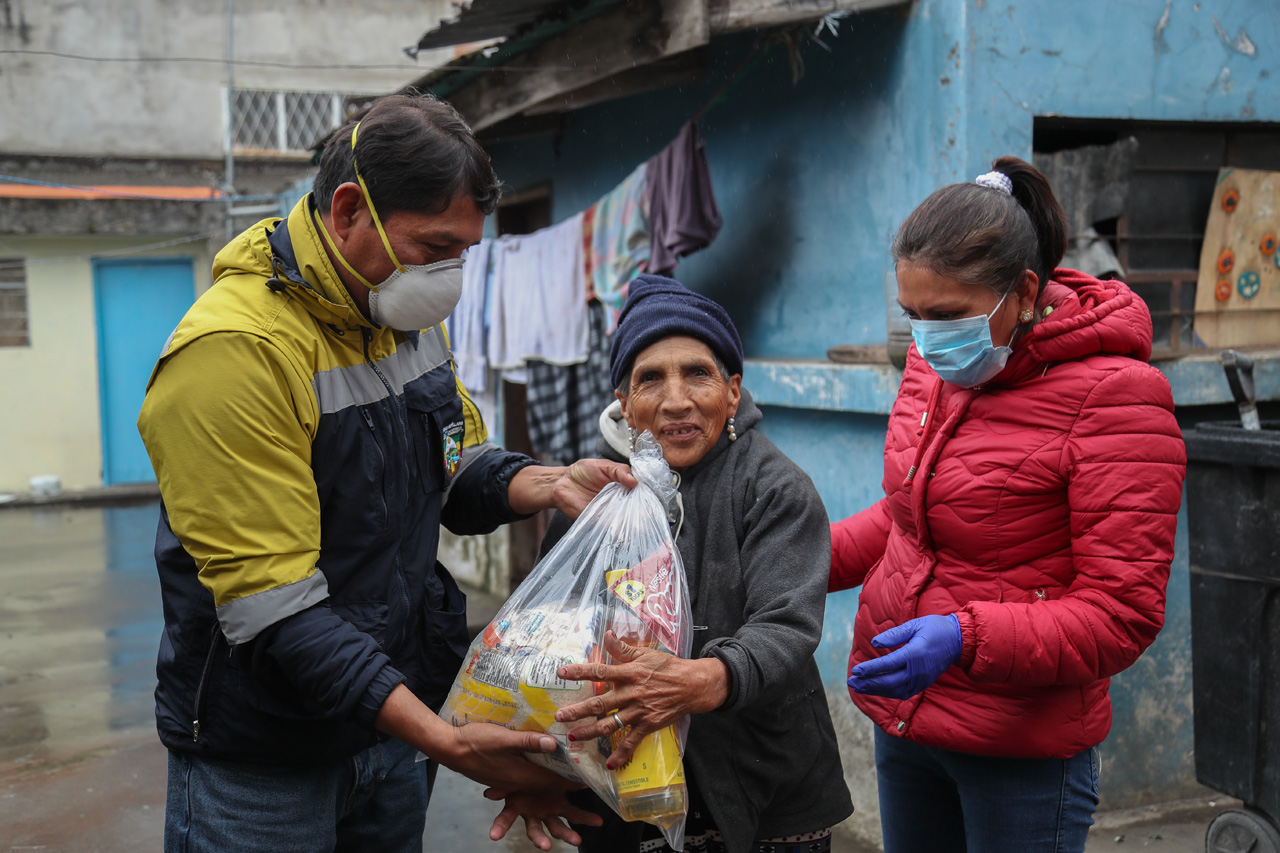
(525, 296)
(622, 234)
(527, 299)
(540, 308)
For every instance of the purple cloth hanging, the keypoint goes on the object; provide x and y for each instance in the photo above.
(683, 216)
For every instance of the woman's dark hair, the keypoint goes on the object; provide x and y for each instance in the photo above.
(415, 153)
(982, 237)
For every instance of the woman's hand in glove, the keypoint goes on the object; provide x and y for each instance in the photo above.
(929, 645)
(651, 690)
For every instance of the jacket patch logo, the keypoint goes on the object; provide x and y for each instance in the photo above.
(453, 434)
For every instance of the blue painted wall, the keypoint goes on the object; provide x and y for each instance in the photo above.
(1181, 60)
(814, 177)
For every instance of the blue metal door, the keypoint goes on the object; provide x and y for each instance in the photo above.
(139, 302)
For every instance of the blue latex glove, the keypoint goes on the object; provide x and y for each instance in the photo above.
(932, 644)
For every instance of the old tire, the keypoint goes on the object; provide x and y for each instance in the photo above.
(1241, 831)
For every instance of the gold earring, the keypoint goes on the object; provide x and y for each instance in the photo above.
(1025, 316)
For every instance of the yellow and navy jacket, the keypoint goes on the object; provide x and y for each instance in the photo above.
(306, 459)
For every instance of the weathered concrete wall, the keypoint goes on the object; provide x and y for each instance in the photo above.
(51, 423)
(47, 217)
(146, 107)
(813, 179)
(145, 120)
(58, 217)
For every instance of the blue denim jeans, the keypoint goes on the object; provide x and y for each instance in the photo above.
(937, 801)
(375, 800)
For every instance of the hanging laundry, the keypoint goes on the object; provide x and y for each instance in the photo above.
(538, 285)
(536, 310)
(466, 324)
(564, 403)
(619, 242)
(683, 216)
(588, 254)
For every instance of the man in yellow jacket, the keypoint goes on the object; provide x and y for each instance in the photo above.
(309, 437)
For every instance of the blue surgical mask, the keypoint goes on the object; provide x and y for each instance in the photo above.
(961, 351)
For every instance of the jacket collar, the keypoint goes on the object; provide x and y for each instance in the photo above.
(615, 435)
(289, 254)
(1084, 316)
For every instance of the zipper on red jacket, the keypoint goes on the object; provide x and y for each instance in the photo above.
(927, 424)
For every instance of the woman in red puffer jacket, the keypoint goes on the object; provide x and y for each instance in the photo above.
(1033, 472)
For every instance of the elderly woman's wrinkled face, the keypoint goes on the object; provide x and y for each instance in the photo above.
(678, 393)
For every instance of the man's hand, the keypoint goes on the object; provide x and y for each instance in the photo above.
(489, 754)
(543, 812)
(493, 756)
(652, 690)
(584, 479)
(566, 489)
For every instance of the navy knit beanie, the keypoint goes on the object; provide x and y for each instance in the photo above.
(658, 307)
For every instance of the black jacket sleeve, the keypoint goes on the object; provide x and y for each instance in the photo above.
(477, 501)
(316, 654)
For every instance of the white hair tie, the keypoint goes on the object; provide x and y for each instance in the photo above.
(996, 181)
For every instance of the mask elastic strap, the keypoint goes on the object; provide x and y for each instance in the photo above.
(325, 234)
(369, 200)
(1012, 334)
(998, 304)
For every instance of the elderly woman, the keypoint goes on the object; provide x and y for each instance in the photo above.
(761, 761)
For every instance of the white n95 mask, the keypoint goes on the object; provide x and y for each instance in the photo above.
(417, 297)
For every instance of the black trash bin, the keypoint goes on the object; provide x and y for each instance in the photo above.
(1233, 515)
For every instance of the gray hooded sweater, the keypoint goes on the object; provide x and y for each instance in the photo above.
(756, 547)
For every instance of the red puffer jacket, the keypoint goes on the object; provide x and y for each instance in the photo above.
(1040, 508)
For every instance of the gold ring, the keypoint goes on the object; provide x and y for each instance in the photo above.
(617, 720)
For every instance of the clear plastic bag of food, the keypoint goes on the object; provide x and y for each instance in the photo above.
(616, 569)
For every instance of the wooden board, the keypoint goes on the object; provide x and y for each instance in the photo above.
(1238, 291)
(629, 35)
(732, 15)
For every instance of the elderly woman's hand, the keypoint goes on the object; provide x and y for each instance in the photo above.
(651, 690)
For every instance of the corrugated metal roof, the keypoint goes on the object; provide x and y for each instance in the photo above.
(483, 20)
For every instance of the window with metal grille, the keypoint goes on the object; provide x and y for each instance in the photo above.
(13, 303)
(1158, 237)
(272, 122)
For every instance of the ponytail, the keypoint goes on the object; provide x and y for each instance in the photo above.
(1048, 218)
(987, 236)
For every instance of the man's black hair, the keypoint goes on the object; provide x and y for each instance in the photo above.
(415, 153)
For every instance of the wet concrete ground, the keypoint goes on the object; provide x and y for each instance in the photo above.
(81, 769)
